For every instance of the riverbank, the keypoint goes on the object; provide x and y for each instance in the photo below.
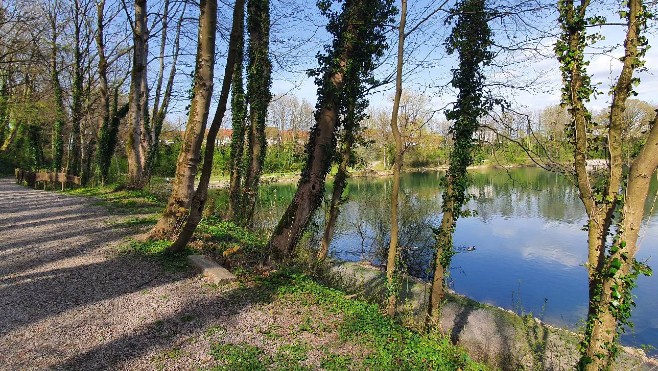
(172, 319)
(493, 335)
(75, 294)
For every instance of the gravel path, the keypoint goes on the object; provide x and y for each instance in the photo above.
(68, 300)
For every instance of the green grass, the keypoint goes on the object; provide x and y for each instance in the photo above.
(290, 357)
(242, 246)
(238, 357)
(393, 346)
(133, 222)
(122, 200)
(335, 362)
(157, 249)
(388, 345)
(248, 357)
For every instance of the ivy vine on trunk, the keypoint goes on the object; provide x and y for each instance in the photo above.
(138, 140)
(60, 114)
(238, 115)
(613, 197)
(471, 39)
(259, 81)
(359, 40)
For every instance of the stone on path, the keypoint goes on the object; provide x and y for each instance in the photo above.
(213, 271)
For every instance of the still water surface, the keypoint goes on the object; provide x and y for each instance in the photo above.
(525, 237)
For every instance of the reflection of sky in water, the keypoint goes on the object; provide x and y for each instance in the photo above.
(520, 262)
(530, 246)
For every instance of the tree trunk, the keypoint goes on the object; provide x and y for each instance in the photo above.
(104, 154)
(60, 115)
(178, 206)
(4, 110)
(340, 182)
(397, 167)
(7, 133)
(238, 116)
(444, 249)
(310, 189)
(76, 94)
(138, 113)
(471, 39)
(110, 115)
(612, 270)
(259, 81)
(201, 194)
(162, 98)
(357, 42)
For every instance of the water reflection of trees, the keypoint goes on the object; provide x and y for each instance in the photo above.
(363, 232)
(524, 192)
(368, 212)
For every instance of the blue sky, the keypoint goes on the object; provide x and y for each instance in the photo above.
(298, 34)
(537, 68)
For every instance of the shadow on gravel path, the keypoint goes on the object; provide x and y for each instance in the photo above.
(64, 290)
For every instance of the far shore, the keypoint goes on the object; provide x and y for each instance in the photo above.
(289, 178)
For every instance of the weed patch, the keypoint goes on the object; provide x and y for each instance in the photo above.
(158, 249)
(133, 222)
(231, 242)
(335, 362)
(122, 200)
(392, 345)
(238, 357)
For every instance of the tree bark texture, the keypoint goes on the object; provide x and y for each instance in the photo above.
(611, 268)
(444, 246)
(357, 42)
(397, 168)
(201, 195)
(60, 114)
(259, 81)
(340, 182)
(238, 117)
(162, 97)
(75, 154)
(310, 188)
(471, 39)
(178, 206)
(136, 150)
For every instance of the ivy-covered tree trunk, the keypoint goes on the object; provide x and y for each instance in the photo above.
(5, 129)
(201, 194)
(358, 40)
(35, 143)
(60, 114)
(397, 168)
(11, 127)
(105, 141)
(238, 116)
(75, 154)
(612, 268)
(259, 70)
(471, 39)
(443, 252)
(350, 127)
(110, 114)
(136, 149)
(178, 206)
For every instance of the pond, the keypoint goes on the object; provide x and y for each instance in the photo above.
(523, 248)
